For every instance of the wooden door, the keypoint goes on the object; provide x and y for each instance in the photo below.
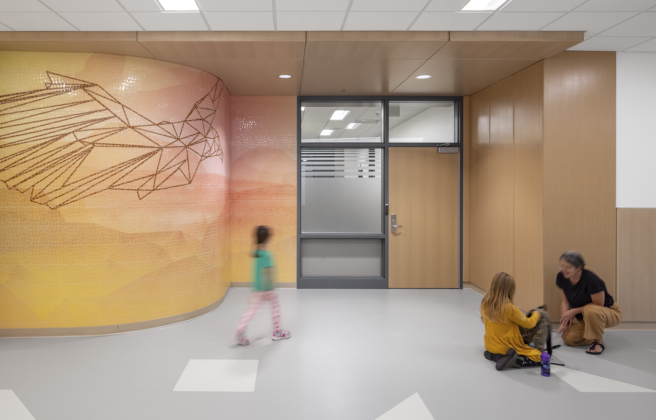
(423, 187)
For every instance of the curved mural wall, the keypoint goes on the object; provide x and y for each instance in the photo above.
(114, 201)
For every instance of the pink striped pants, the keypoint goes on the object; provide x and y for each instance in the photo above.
(255, 302)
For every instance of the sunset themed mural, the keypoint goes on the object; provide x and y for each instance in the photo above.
(263, 179)
(115, 193)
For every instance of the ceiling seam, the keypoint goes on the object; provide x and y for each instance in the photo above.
(488, 18)
(426, 61)
(130, 14)
(144, 47)
(275, 16)
(300, 81)
(60, 16)
(348, 10)
(423, 9)
(202, 16)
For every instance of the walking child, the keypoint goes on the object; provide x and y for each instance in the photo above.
(263, 280)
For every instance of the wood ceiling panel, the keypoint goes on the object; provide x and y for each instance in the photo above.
(364, 63)
(254, 77)
(459, 77)
(355, 77)
(507, 45)
(123, 43)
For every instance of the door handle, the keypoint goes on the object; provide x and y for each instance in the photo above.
(394, 225)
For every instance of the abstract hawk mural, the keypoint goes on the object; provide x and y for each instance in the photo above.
(73, 139)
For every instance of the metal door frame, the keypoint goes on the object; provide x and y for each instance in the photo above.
(385, 145)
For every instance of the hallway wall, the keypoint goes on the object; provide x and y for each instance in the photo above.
(506, 184)
(114, 207)
(263, 181)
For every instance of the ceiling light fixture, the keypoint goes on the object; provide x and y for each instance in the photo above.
(340, 114)
(424, 76)
(326, 132)
(285, 76)
(484, 5)
(178, 5)
(302, 108)
(352, 126)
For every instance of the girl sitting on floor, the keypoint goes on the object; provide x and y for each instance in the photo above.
(503, 340)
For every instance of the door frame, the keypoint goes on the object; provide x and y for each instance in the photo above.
(384, 145)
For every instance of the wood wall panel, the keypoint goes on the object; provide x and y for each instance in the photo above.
(579, 165)
(479, 212)
(501, 177)
(527, 152)
(636, 264)
(466, 187)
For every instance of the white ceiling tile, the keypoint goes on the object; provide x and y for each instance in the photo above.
(518, 21)
(240, 21)
(591, 22)
(648, 46)
(608, 43)
(108, 21)
(446, 5)
(4, 28)
(22, 6)
(642, 25)
(388, 5)
(235, 6)
(310, 21)
(616, 6)
(35, 22)
(311, 5)
(141, 5)
(443, 21)
(83, 5)
(541, 5)
(379, 21)
(178, 21)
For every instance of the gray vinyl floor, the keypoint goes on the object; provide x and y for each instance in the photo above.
(354, 354)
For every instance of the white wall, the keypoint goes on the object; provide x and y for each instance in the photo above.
(636, 129)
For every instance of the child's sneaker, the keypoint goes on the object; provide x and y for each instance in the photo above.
(281, 335)
(242, 340)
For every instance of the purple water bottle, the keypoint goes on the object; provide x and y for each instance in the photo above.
(546, 364)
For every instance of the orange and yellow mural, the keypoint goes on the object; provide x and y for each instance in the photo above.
(263, 179)
(115, 194)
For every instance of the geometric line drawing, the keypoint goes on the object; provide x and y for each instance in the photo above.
(411, 408)
(73, 139)
(585, 382)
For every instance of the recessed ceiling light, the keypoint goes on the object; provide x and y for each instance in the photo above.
(424, 76)
(178, 5)
(351, 126)
(487, 5)
(326, 132)
(340, 114)
(302, 108)
(285, 76)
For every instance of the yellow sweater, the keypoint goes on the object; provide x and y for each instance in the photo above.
(502, 336)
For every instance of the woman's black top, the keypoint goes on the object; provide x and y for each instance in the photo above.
(580, 294)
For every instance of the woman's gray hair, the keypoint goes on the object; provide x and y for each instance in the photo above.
(573, 258)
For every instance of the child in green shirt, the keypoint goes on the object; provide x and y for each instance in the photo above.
(263, 279)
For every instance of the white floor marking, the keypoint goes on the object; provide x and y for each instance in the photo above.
(585, 382)
(11, 408)
(412, 408)
(218, 376)
(651, 350)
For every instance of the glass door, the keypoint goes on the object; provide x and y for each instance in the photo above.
(344, 149)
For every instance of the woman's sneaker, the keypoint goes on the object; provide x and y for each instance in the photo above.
(281, 335)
